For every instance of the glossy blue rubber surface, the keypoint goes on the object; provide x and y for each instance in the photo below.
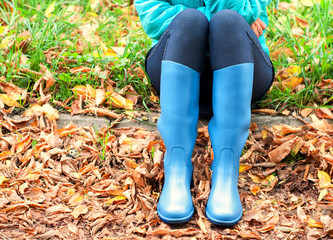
(228, 130)
(178, 127)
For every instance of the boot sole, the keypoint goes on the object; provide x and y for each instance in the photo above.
(175, 220)
(223, 223)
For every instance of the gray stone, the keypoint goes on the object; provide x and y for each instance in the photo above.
(263, 121)
(79, 120)
(268, 121)
(148, 125)
(148, 121)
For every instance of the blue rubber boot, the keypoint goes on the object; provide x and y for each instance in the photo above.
(178, 127)
(228, 130)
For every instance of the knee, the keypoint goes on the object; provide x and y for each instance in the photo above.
(189, 19)
(227, 20)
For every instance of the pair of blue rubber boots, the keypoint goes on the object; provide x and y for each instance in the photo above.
(228, 130)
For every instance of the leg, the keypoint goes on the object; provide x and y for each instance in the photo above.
(180, 55)
(180, 44)
(234, 68)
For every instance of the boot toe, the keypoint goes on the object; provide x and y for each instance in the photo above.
(224, 215)
(175, 213)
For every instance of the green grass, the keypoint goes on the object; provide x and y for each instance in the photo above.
(59, 31)
(312, 52)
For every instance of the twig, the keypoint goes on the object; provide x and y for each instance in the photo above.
(300, 119)
(267, 165)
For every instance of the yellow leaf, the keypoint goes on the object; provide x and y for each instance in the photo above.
(79, 90)
(115, 200)
(3, 179)
(153, 97)
(70, 191)
(32, 176)
(77, 175)
(10, 100)
(85, 91)
(264, 134)
(49, 10)
(313, 223)
(80, 209)
(119, 101)
(92, 14)
(324, 180)
(243, 168)
(268, 180)
(322, 194)
(264, 181)
(256, 178)
(294, 70)
(5, 42)
(107, 51)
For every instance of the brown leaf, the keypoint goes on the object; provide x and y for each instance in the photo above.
(324, 113)
(51, 113)
(301, 214)
(279, 153)
(49, 234)
(48, 77)
(9, 88)
(73, 229)
(36, 195)
(304, 23)
(306, 112)
(175, 233)
(131, 94)
(284, 129)
(318, 124)
(57, 209)
(249, 235)
(253, 214)
(79, 210)
(81, 69)
(265, 111)
(314, 234)
(99, 112)
(266, 228)
(281, 51)
(297, 32)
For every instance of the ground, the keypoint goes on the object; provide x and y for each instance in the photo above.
(73, 182)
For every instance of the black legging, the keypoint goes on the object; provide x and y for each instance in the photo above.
(205, 46)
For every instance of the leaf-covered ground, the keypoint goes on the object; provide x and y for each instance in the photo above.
(75, 182)
(86, 183)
